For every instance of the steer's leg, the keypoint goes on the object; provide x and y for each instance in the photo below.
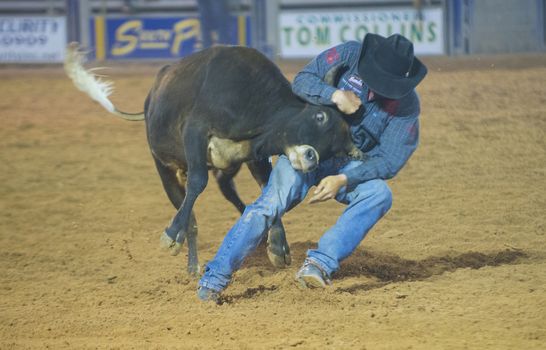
(173, 183)
(227, 186)
(278, 250)
(195, 148)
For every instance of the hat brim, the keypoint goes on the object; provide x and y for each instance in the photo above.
(382, 82)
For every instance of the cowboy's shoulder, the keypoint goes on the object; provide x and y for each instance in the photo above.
(345, 48)
(405, 107)
(347, 52)
(350, 47)
(344, 52)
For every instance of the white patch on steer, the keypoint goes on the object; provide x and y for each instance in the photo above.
(224, 153)
(181, 177)
(296, 155)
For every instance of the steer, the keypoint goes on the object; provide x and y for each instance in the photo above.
(217, 109)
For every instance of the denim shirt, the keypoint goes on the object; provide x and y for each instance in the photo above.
(387, 131)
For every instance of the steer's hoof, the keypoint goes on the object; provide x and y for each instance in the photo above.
(167, 243)
(194, 271)
(278, 250)
(279, 259)
(176, 249)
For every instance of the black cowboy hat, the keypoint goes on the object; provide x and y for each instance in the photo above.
(388, 66)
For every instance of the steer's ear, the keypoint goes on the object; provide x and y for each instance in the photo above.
(334, 74)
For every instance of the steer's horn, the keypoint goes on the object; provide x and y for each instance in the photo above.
(334, 74)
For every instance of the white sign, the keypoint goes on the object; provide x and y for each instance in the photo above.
(32, 39)
(308, 33)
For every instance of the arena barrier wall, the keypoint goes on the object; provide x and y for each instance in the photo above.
(166, 29)
(307, 32)
(32, 39)
(155, 37)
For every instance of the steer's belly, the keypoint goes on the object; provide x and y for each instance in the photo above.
(225, 153)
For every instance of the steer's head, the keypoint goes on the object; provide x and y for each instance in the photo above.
(316, 133)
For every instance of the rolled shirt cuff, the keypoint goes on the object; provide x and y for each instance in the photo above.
(353, 177)
(326, 94)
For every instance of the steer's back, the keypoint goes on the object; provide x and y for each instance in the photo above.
(241, 92)
(234, 91)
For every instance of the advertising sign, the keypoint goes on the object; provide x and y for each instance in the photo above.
(155, 37)
(306, 33)
(32, 39)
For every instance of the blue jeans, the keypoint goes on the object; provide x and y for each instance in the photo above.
(366, 204)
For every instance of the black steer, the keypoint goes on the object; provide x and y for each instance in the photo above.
(215, 110)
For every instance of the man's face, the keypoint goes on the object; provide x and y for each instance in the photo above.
(372, 95)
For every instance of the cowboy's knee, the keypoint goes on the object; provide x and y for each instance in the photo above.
(378, 191)
(383, 194)
(284, 175)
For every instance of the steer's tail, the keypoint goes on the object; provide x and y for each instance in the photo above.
(95, 87)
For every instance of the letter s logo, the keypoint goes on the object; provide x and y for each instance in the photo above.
(126, 38)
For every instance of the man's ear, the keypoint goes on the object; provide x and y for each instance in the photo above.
(334, 74)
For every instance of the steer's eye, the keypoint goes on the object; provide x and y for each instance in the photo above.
(321, 117)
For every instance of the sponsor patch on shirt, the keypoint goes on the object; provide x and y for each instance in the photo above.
(354, 84)
(332, 56)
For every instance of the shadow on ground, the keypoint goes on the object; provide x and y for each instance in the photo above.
(385, 268)
(389, 268)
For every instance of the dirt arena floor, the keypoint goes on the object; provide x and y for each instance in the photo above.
(458, 263)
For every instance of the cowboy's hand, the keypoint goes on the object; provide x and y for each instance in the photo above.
(346, 101)
(328, 188)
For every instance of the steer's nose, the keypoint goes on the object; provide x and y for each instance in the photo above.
(303, 157)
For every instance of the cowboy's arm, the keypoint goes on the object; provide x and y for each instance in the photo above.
(397, 144)
(309, 82)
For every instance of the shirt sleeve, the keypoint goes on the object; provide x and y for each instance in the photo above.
(309, 82)
(397, 143)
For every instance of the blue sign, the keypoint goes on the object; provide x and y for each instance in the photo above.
(120, 38)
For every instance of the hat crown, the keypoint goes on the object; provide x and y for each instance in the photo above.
(395, 55)
(388, 65)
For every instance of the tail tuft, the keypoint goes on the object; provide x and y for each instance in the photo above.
(85, 80)
(91, 84)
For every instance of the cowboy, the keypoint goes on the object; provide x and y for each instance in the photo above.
(376, 90)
